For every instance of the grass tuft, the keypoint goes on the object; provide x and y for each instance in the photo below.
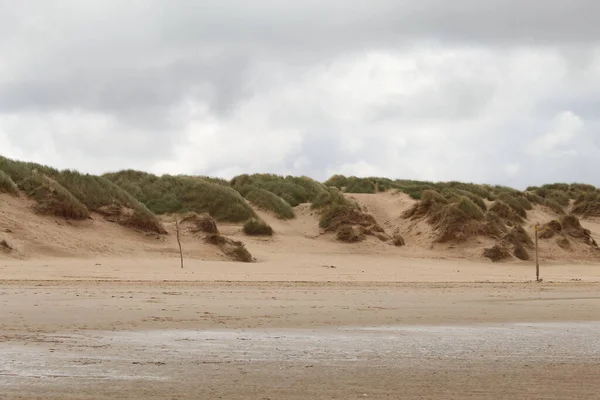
(349, 234)
(7, 185)
(521, 253)
(233, 249)
(496, 253)
(203, 223)
(269, 201)
(294, 190)
(513, 203)
(52, 198)
(257, 227)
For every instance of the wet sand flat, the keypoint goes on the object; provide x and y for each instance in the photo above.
(297, 340)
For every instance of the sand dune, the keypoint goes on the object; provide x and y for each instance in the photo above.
(33, 236)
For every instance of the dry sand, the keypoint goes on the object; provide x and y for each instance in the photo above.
(92, 310)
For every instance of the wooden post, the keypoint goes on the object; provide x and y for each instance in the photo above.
(537, 254)
(179, 241)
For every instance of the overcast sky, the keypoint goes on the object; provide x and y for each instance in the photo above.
(497, 91)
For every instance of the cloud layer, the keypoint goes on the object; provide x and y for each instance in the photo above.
(497, 91)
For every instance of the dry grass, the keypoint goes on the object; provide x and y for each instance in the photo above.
(521, 253)
(456, 221)
(202, 223)
(497, 253)
(550, 229)
(572, 227)
(505, 212)
(563, 243)
(257, 227)
(518, 236)
(398, 240)
(587, 205)
(349, 234)
(5, 247)
(338, 215)
(233, 249)
(568, 226)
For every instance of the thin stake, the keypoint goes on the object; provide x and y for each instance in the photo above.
(537, 255)
(179, 241)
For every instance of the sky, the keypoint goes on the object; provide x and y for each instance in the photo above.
(496, 91)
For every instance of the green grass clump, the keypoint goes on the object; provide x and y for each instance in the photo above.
(181, 194)
(582, 187)
(361, 186)
(432, 195)
(469, 208)
(330, 198)
(453, 194)
(269, 201)
(7, 185)
(533, 198)
(92, 191)
(587, 205)
(524, 202)
(479, 191)
(257, 227)
(554, 206)
(562, 187)
(53, 199)
(294, 190)
(513, 203)
(560, 197)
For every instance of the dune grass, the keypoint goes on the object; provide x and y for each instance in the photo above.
(453, 194)
(554, 206)
(268, 201)
(181, 194)
(257, 227)
(294, 190)
(497, 253)
(7, 185)
(510, 199)
(432, 195)
(92, 191)
(52, 198)
(349, 234)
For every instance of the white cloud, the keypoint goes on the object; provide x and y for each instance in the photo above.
(565, 128)
(375, 91)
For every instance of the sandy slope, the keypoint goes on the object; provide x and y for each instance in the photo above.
(37, 237)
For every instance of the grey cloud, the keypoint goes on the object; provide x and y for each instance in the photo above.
(136, 62)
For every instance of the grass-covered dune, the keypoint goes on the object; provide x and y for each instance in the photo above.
(74, 195)
(456, 209)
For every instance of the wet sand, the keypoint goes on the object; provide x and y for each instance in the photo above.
(296, 340)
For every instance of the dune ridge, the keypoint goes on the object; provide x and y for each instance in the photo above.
(45, 212)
